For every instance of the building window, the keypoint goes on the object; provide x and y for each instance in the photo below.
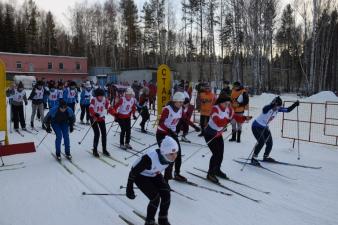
(31, 67)
(50, 65)
(78, 66)
(18, 65)
(61, 66)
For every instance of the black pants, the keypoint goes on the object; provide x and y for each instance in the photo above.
(97, 127)
(263, 136)
(157, 190)
(125, 130)
(204, 122)
(18, 116)
(145, 116)
(182, 126)
(217, 149)
(178, 160)
(84, 110)
(72, 106)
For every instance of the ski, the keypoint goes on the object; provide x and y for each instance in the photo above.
(264, 168)
(102, 160)
(204, 187)
(136, 141)
(141, 216)
(237, 182)
(226, 188)
(148, 132)
(183, 195)
(132, 151)
(288, 164)
(30, 132)
(34, 129)
(115, 160)
(62, 164)
(18, 132)
(13, 164)
(126, 220)
(14, 168)
(74, 164)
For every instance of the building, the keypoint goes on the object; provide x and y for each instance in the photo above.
(46, 67)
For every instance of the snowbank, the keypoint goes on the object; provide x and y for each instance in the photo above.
(322, 97)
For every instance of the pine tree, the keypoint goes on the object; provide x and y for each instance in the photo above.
(1, 28)
(50, 39)
(8, 32)
(20, 33)
(32, 27)
(131, 32)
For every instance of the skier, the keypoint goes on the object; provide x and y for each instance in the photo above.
(207, 99)
(85, 96)
(60, 90)
(125, 107)
(18, 97)
(70, 95)
(240, 101)
(62, 119)
(53, 99)
(170, 116)
(261, 131)
(37, 101)
(142, 108)
(185, 122)
(146, 173)
(97, 109)
(222, 113)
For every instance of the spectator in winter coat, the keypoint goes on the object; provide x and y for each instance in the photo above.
(207, 99)
(17, 99)
(85, 96)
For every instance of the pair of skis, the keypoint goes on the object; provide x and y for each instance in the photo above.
(13, 166)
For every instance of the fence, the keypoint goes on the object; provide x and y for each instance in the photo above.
(318, 123)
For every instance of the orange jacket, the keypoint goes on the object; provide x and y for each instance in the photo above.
(207, 101)
(239, 107)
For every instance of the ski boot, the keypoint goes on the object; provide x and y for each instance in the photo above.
(254, 161)
(184, 139)
(163, 220)
(106, 153)
(69, 156)
(179, 177)
(128, 146)
(239, 136)
(24, 128)
(222, 175)
(233, 137)
(95, 153)
(212, 178)
(58, 157)
(268, 159)
(123, 147)
(149, 222)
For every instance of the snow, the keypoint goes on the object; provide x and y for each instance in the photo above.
(45, 193)
(322, 97)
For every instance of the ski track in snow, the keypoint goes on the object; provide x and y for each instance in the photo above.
(45, 193)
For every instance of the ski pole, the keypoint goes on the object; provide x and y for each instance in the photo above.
(298, 133)
(224, 138)
(80, 142)
(113, 194)
(42, 140)
(116, 130)
(135, 120)
(77, 112)
(112, 124)
(123, 187)
(138, 152)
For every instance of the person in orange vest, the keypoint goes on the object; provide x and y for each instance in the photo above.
(240, 100)
(207, 99)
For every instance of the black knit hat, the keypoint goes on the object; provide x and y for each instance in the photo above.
(20, 85)
(99, 92)
(222, 99)
(277, 101)
(237, 84)
(186, 101)
(62, 104)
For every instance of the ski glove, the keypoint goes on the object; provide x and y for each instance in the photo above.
(97, 115)
(197, 129)
(71, 128)
(130, 191)
(48, 129)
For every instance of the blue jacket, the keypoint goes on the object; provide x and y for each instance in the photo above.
(85, 97)
(68, 99)
(54, 114)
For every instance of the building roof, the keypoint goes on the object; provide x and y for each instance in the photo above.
(40, 55)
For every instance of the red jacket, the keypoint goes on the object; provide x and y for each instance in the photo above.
(122, 116)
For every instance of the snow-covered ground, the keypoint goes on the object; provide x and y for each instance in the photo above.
(45, 193)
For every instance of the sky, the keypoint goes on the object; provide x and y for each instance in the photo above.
(59, 8)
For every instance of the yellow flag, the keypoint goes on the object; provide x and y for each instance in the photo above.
(3, 117)
(163, 87)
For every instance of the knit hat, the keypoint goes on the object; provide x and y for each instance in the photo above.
(99, 92)
(222, 99)
(168, 146)
(62, 104)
